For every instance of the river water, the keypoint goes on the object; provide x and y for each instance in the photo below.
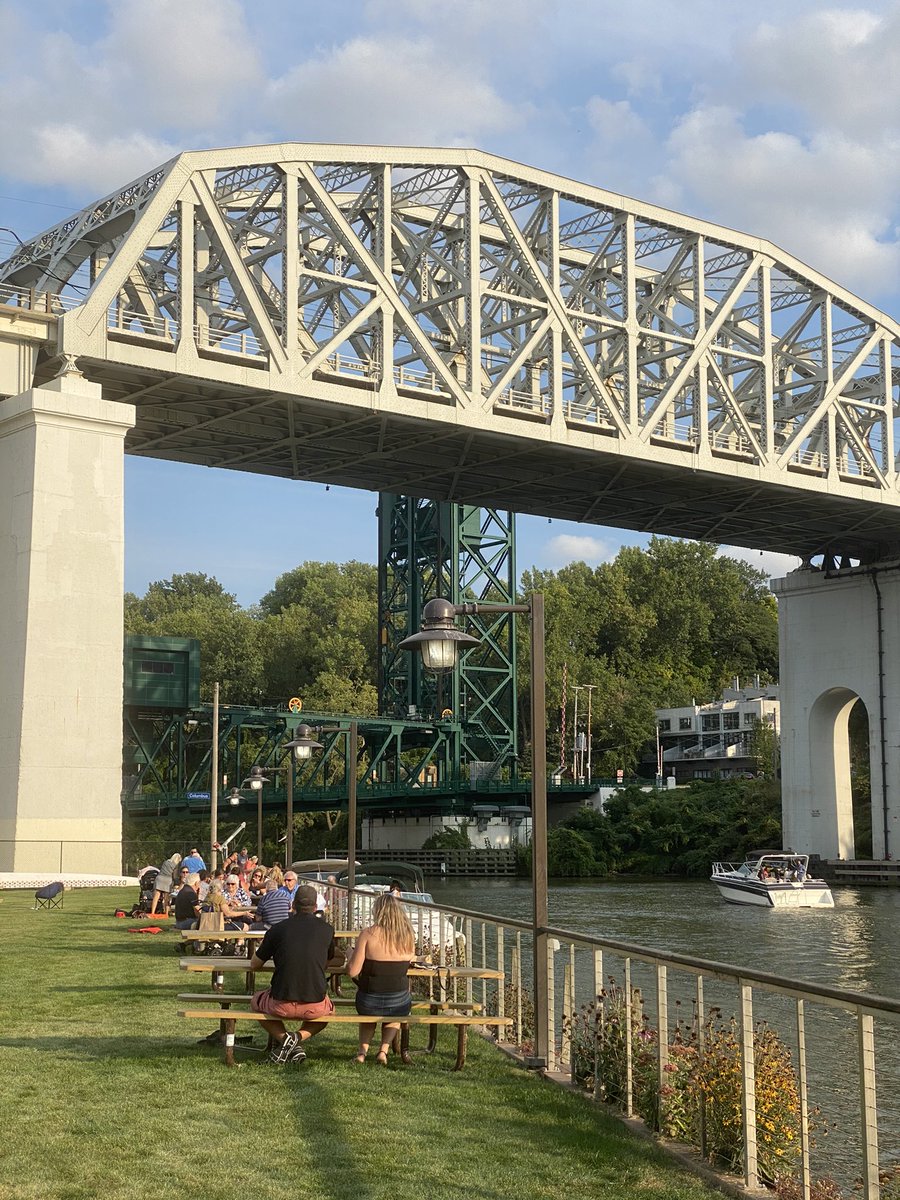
(853, 946)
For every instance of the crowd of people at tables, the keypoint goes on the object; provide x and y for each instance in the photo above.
(247, 894)
(301, 943)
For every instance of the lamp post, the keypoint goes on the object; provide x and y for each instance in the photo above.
(352, 755)
(255, 781)
(301, 747)
(439, 642)
(214, 782)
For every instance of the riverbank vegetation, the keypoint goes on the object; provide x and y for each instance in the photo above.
(667, 832)
(109, 1095)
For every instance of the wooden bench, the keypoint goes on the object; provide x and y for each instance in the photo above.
(229, 1017)
(225, 1000)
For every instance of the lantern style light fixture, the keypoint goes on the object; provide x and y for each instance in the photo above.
(303, 743)
(439, 640)
(235, 797)
(255, 779)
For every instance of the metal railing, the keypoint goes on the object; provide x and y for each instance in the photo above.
(43, 302)
(646, 1030)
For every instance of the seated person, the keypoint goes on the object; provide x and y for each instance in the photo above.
(257, 884)
(379, 962)
(236, 906)
(187, 903)
(301, 947)
(274, 907)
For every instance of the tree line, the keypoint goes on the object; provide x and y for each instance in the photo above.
(655, 627)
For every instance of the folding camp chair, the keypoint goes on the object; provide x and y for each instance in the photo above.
(49, 896)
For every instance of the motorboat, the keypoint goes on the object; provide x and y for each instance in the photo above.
(771, 879)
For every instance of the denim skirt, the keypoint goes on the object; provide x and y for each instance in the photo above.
(388, 1004)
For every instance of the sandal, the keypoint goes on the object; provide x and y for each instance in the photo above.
(381, 1058)
(358, 1058)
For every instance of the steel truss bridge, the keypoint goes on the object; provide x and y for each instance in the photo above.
(449, 324)
(402, 766)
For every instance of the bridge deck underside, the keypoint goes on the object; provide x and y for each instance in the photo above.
(316, 439)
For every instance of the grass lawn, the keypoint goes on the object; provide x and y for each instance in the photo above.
(107, 1096)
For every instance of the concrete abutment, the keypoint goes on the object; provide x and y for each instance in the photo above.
(839, 635)
(62, 544)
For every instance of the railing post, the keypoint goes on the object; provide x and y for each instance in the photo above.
(598, 1018)
(748, 1087)
(701, 1046)
(469, 985)
(518, 977)
(550, 1055)
(629, 1056)
(865, 1030)
(804, 1101)
(662, 1045)
(566, 1053)
(501, 966)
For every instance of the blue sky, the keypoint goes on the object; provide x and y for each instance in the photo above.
(779, 120)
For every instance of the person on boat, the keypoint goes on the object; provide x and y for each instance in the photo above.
(801, 870)
(301, 947)
(378, 964)
(764, 873)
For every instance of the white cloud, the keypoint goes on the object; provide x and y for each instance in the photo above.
(840, 67)
(771, 564)
(569, 547)
(184, 66)
(828, 200)
(189, 63)
(390, 90)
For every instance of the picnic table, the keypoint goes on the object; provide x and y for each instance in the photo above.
(438, 1006)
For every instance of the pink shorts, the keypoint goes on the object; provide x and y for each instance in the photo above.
(264, 1002)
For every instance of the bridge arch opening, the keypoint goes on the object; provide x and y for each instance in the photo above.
(839, 754)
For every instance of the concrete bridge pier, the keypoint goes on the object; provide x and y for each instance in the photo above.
(839, 637)
(62, 555)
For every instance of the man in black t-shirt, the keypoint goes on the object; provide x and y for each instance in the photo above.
(301, 947)
(187, 903)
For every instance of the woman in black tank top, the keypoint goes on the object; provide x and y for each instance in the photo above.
(379, 963)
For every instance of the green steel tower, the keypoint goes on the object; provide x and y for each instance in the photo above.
(429, 548)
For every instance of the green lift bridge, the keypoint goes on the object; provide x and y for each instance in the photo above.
(437, 746)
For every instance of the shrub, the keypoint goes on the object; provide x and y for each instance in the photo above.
(702, 1088)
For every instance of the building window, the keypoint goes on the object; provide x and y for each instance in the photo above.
(664, 726)
(730, 720)
(703, 774)
(685, 722)
(152, 667)
(750, 718)
(711, 722)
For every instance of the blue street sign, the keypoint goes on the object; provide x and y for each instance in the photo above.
(198, 796)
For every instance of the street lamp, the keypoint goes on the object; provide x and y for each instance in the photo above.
(235, 797)
(302, 746)
(255, 781)
(439, 642)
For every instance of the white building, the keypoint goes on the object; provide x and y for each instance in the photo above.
(713, 741)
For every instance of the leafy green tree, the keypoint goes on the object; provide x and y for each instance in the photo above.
(449, 838)
(318, 637)
(569, 855)
(196, 605)
(654, 627)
